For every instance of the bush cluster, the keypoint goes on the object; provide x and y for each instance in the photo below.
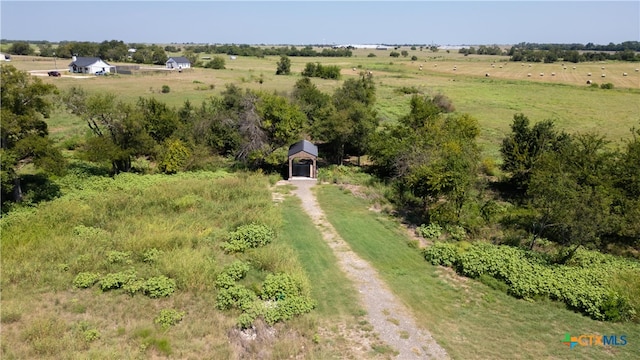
(582, 284)
(282, 296)
(168, 318)
(322, 71)
(128, 281)
(232, 273)
(248, 236)
(431, 231)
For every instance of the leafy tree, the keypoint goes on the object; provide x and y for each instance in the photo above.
(160, 121)
(404, 53)
(211, 125)
(191, 55)
(24, 106)
(71, 48)
(46, 50)
(354, 120)
(113, 50)
(394, 54)
(20, 48)
(217, 62)
(525, 145)
(174, 156)
(118, 128)
(284, 66)
(143, 55)
(321, 71)
(432, 156)
(158, 56)
(572, 200)
(316, 105)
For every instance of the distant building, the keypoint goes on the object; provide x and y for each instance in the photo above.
(88, 65)
(178, 62)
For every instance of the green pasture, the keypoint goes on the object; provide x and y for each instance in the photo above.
(564, 97)
(470, 320)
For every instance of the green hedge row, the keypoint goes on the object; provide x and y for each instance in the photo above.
(583, 284)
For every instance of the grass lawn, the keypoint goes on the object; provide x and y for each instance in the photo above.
(469, 319)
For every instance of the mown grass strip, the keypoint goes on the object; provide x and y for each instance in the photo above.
(469, 319)
(335, 294)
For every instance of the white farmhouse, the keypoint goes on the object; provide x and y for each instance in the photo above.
(178, 62)
(88, 65)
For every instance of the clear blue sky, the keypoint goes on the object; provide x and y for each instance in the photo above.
(328, 22)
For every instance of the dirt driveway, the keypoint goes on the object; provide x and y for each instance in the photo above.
(391, 320)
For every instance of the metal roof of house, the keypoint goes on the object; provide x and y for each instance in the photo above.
(305, 146)
(179, 60)
(86, 61)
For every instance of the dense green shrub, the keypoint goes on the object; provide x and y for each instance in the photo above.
(85, 280)
(159, 286)
(114, 281)
(584, 284)
(441, 253)
(235, 297)
(287, 308)
(248, 236)
(232, 273)
(280, 287)
(168, 318)
(165, 89)
(119, 257)
(431, 231)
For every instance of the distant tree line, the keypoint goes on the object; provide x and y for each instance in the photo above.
(248, 50)
(573, 56)
(626, 45)
(482, 50)
(574, 53)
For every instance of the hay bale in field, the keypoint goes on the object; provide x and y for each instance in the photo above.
(529, 75)
(602, 68)
(541, 74)
(624, 74)
(487, 74)
(637, 70)
(588, 82)
(588, 74)
(603, 75)
(553, 74)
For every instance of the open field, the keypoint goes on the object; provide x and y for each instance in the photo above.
(493, 100)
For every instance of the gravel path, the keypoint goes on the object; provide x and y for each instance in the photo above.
(389, 317)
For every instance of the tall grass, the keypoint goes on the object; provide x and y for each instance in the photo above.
(152, 225)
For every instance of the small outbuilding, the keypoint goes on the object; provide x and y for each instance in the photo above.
(88, 65)
(303, 157)
(178, 62)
